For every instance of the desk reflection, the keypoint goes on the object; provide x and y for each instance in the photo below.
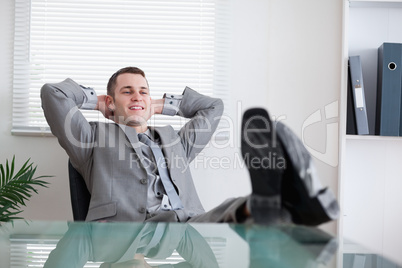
(126, 245)
(287, 246)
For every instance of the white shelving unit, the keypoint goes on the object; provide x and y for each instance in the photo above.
(371, 166)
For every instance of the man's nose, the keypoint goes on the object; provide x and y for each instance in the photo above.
(136, 96)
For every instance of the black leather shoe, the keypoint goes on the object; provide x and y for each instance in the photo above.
(261, 152)
(265, 160)
(302, 194)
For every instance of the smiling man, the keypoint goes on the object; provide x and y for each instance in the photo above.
(135, 172)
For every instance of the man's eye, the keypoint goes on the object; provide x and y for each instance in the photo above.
(144, 93)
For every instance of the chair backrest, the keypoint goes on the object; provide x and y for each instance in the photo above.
(79, 194)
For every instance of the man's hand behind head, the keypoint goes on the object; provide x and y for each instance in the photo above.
(157, 106)
(102, 107)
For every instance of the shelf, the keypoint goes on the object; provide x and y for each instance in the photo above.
(376, 3)
(352, 248)
(373, 137)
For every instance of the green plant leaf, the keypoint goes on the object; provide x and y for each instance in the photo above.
(24, 168)
(16, 189)
(12, 167)
(3, 176)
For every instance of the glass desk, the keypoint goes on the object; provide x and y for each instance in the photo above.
(78, 244)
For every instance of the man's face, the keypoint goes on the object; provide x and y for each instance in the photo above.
(132, 102)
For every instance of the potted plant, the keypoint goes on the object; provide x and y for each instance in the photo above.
(17, 188)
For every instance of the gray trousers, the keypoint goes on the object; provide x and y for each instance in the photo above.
(313, 210)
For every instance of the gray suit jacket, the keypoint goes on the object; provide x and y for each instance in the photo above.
(109, 157)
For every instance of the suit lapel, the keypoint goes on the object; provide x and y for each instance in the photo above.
(131, 135)
(171, 145)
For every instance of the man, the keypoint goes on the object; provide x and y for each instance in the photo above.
(139, 173)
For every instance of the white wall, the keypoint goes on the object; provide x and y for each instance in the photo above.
(304, 76)
(285, 56)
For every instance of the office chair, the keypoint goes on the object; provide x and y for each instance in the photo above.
(79, 194)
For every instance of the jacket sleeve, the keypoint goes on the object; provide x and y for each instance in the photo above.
(204, 113)
(61, 103)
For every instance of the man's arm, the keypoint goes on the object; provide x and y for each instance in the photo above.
(60, 103)
(205, 113)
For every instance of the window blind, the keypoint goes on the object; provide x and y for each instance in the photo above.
(177, 43)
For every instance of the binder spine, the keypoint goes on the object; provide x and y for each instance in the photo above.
(389, 89)
(359, 100)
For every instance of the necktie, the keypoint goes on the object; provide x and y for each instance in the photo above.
(163, 172)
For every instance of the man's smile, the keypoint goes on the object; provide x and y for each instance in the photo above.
(136, 107)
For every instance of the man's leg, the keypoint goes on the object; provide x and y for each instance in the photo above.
(232, 210)
(285, 187)
(282, 174)
(236, 210)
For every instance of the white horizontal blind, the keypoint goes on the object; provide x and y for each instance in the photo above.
(177, 43)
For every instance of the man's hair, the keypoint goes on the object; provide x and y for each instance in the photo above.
(112, 81)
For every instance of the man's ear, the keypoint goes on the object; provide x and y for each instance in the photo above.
(109, 102)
